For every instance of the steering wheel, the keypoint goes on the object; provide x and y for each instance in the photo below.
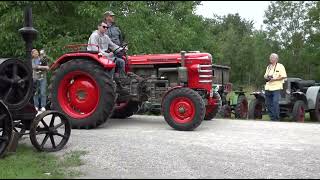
(120, 53)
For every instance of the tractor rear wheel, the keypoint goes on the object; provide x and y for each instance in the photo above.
(84, 91)
(241, 110)
(255, 109)
(298, 111)
(183, 109)
(125, 109)
(315, 114)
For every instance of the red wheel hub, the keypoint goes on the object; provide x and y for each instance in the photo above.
(78, 94)
(182, 110)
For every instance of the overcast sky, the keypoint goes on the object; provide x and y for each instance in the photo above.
(250, 10)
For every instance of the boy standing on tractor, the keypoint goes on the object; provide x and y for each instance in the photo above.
(274, 76)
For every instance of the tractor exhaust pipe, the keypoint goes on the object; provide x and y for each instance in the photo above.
(28, 34)
(183, 58)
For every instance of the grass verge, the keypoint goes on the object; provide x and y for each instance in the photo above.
(27, 163)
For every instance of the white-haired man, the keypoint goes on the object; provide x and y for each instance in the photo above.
(274, 76)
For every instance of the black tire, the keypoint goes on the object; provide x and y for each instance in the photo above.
(315, 114)
(6, 128)
(126, 111)
(226, 111)
(210, 115)
(241, 109)
(195, 101)
(298, 111)
(103, 81)
(255, 109)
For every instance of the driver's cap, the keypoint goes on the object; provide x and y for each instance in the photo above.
(109, 13)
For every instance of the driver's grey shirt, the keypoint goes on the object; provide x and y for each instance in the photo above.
(103, 41)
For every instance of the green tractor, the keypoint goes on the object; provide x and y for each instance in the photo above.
(232, 102)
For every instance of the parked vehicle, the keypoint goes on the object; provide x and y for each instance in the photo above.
(232, 102)
(297, 97)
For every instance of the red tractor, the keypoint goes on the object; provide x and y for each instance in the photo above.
(84, 88)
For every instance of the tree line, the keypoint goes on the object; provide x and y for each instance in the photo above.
(151, 27)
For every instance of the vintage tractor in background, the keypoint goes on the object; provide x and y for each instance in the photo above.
(232, 102)
(297, 97)
(17, 112)
(84, 88)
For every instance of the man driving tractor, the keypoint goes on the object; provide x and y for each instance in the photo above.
(100, 38)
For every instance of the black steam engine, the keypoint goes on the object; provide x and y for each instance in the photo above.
(50, 130)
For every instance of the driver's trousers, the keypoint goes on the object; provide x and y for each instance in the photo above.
(120, 64)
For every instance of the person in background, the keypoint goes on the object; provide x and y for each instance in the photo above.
(113, 31)
(274, 76)
(40, 80)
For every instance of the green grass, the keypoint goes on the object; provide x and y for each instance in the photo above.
(27, 163)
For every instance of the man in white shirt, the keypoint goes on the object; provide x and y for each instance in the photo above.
(100, 38)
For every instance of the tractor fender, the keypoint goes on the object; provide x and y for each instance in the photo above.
(312, 94)
(258, 95)
(301, 96)
(102, 60)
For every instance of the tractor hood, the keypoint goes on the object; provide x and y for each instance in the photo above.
(167, 58)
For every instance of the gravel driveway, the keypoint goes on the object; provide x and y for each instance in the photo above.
(146, 147)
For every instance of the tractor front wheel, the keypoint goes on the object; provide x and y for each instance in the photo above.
(226, 111)
(241, 110)
(183, 109)
(298, 111)
(315, 114)
(83, 91)
(255, 109)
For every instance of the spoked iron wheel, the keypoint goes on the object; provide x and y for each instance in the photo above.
(50, 131)
(5, 128)
(16, 83)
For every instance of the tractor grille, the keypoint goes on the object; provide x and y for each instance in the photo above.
(205, 74)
